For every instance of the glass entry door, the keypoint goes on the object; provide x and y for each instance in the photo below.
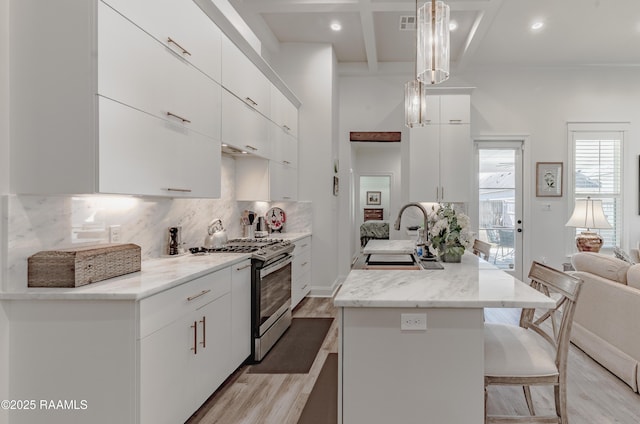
(499, 202)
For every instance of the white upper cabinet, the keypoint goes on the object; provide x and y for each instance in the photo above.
(243, 127)
(455, 109)
(283, 112)
(441, 153)
(181, 26)
(241, 77)
(137, 70)
(114, 111)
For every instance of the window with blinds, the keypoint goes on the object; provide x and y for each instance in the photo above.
(597, 172)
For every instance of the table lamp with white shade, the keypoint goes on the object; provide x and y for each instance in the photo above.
(588, 214)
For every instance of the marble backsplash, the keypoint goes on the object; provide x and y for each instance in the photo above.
(35, 223)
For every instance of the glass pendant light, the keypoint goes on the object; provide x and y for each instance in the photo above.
(433, 42)
(415, 102)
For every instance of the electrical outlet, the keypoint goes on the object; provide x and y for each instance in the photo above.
(114, 234)
(413, 322)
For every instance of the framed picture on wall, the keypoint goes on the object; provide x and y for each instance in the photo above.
(548, 179)
(374, 198)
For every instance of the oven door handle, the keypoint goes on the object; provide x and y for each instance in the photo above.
(276, 266)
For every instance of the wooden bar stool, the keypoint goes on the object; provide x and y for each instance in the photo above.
(535, 352)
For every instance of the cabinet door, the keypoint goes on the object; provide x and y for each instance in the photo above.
(433, 109)
(301, 271)
(284, 147)
(283, 180)
(142, 154)
(164, 373)
(455, 109)
(241, 313)
(210, 364)
(424, 164)
(455, 163)
(137, 70)
(243, 127)
(283, 112)
(181, 26)
(244, 79)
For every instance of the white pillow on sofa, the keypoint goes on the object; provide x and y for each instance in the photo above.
(604, 266)
(633, 276)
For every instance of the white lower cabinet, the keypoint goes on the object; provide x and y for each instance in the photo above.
(241, 313)
(151, 361)
(301, 271)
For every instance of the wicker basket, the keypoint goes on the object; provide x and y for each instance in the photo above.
(82, 265)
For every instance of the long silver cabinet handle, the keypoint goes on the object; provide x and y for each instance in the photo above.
(202, 293)
(286, 128)
(181, 190)
(455, 121)
(255, 149)
(286, 162)
(204, 332)
(185, 120)
(172, 41)
(243, 267)
(195, 337)
(304, 263)
(250, 100)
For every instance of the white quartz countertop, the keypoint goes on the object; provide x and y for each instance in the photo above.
(473, 283)
(156, 275)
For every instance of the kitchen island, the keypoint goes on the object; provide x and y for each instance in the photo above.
(411, 342)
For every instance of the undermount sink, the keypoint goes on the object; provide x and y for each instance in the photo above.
(404, 261)
(398, 261)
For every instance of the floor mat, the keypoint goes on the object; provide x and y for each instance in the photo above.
(297, 349)
(322, 405)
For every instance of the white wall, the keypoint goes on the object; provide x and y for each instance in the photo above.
(309, 70)
(380, 183)
(372, 104)
(535, 102)
(4, 189)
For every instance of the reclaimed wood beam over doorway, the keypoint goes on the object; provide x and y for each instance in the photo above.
(375, 136)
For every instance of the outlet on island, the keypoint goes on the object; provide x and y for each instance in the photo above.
(413, 322)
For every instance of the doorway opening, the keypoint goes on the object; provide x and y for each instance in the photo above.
(374, 208)
(499, 202)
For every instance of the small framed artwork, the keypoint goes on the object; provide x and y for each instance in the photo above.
(548, 179)
(374, 198)
(336, 185)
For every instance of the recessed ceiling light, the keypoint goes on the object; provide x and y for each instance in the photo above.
(537, 25)
(336, 26)
(453, 25)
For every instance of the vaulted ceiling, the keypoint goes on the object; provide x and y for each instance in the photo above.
(489, 32)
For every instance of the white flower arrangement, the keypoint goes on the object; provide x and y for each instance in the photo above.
(449, 230)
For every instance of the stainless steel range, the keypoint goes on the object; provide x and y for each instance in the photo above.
(270, 287)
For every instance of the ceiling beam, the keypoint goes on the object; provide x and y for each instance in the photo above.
(369, 34)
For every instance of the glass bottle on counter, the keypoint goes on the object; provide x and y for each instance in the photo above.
(421, 244)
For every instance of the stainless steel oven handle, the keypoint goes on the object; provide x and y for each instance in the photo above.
(276, 266)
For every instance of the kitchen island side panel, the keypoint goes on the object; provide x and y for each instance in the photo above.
(433, 376)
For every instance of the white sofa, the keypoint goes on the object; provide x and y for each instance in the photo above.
(607, 318)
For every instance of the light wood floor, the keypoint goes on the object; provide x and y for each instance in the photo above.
(595, 396)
